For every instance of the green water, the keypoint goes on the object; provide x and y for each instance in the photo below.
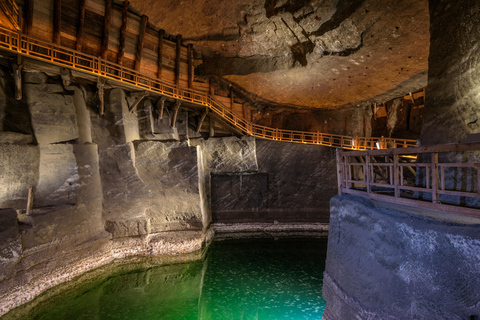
(255, 279)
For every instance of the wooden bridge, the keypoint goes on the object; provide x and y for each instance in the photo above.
(161, 83)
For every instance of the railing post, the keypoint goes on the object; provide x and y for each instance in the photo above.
(395, 174)
(367, 171)
(339, 171)
(434, 173)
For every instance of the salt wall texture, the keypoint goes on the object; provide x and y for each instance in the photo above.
(385, 263)
(453, 90)
(104, 187)
(292, 183)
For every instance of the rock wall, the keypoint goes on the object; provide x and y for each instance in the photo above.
(105, 187)
(394, 262)
(452, 97)
(293, 183)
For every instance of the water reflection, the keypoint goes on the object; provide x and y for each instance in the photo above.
(260, 279)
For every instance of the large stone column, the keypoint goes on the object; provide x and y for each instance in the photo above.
(453, 90)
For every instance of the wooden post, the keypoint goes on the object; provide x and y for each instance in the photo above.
(161, 33)
(101, 96)
(211, 89)
(212, 128)
(231, 99)
(141, 39)
(202, 119)
(339, 171)
(17, 77)
(434, 170)
(395, 175)
(106, 29)
(137, 102)
(190, 64)
(367, 171)
(28, 16)
(57, 21)
(177, 60)
(244, 110)
(123, 33)
(175, 112)
(30, 201)
(81, 24)
(160, 106)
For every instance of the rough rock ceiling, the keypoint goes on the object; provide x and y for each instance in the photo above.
(317, 53)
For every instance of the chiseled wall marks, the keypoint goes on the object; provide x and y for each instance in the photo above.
(386, 262)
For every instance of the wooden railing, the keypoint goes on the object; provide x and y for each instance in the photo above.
(414, 176)
(24, 45)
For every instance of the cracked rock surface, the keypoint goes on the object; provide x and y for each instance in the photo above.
(317, 53)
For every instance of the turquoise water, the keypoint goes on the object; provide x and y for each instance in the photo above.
(255, 279)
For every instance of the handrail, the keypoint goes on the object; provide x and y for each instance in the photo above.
(381, 175)
(66, 57)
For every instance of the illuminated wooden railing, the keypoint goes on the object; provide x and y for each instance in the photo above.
(10, 8)
(66, 57)
(414, 176)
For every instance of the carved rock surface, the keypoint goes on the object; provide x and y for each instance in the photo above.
(10, 241)
(388, 262)
(52, 112)
(451, 105)
(19, 172)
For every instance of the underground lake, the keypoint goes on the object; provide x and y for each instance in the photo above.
(234, 279)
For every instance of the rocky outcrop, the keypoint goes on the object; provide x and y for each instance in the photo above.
(395, 262)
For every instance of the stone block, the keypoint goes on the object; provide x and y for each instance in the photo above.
(19, 172)
(120, 118)
(58, 181)
(128, 227)
(53, 115)
(229, 154)
(167, 164)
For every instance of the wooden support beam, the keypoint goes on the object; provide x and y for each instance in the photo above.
(202, 119)
(175, 112)
(30, 201)
(106, 29)
(244, 110)
(17, 77)
(101, 96)
(57, 20)
(212, 127)
(177, 60)
(137, 102)
(190, 64)
(28, 16)
(81, 25)
(161, 34)
(141, 39)
(231, 99)
(211, 89)
(161, 106)
(123, 33)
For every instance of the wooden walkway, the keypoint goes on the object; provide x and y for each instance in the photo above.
(424, 177)
(17, 43)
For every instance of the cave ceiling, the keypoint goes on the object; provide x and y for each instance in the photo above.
(315, 54)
